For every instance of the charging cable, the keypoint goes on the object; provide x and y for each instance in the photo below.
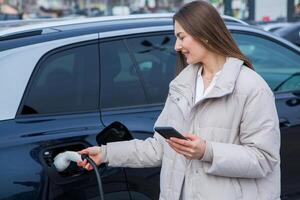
(63, 160)
(97, 174)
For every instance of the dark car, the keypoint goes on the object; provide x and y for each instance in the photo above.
(62, 83)
(290, 33)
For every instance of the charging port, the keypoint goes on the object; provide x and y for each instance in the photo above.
(72, 172)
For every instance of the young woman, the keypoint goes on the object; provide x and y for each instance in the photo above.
(224, 108)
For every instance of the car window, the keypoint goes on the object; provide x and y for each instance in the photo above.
(278, 65)
(67, 81)
(156, 61)
(120, 83)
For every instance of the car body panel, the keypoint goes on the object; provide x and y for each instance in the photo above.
(22, 142)
(140, 122)
(288, 107)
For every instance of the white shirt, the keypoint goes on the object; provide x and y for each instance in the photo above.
(200, 93)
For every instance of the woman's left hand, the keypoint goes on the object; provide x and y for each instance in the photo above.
(193, 148)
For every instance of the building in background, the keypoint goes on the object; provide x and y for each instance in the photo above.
(8, 11)
(255, 11)
(263, 11)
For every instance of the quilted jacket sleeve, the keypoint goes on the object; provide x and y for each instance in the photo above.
(137, 153)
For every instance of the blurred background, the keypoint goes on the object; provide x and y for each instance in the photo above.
(251, 11)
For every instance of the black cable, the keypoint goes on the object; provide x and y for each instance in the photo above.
(97, 174)
(127, 183)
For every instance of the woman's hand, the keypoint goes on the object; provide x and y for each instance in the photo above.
(193, 148)
(94, 153)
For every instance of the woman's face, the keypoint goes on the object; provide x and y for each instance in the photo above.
(193, 51)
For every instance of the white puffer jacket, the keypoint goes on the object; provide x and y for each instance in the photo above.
(238, 119)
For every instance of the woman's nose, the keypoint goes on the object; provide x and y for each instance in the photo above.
(178, 47)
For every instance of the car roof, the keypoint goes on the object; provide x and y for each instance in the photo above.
(30, 25)
(53, 30)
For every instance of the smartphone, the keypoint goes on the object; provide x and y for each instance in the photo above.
(168, 132)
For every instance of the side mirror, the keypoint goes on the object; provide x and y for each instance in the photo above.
(114, 132)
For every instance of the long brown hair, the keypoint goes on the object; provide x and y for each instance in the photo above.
(203, 22)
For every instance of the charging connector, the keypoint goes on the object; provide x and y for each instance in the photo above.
(63, 160)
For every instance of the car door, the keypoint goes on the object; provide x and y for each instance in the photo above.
(59, 112)
(279, 65)
(135, 73)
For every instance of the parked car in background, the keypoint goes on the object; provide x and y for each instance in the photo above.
(271, 27)
(290, 33)
(62, 83)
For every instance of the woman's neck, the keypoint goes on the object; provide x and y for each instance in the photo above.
(212, 65)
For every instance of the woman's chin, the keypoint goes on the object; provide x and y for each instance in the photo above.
(190, 62)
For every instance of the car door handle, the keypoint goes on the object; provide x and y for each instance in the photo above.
(284, 122)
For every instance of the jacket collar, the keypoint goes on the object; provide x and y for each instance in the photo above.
(185, 82)
(226, 81)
